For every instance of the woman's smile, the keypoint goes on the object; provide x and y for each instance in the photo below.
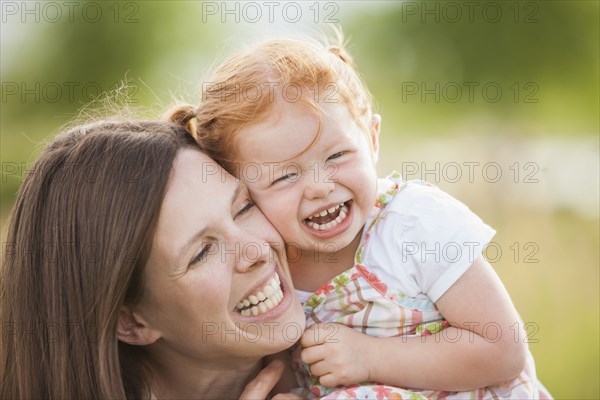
(266, 301)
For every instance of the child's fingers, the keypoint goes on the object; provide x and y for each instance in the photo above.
(320, 368)
(259, 387)
(313, 335)
(287, 396)
(313, 354)
(329, 380)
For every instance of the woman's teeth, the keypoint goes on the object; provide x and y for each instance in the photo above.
(329, 218)
(263, 300)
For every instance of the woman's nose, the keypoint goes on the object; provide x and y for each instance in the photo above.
(251, 252)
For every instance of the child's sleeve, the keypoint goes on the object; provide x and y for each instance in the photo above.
(428, 240)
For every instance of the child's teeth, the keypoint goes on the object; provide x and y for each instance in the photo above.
(254, 311)
(246, 312)
(325, 212)
(328, 225)
(253, 299)
(261, 296)
(262, 307)
(246, 302)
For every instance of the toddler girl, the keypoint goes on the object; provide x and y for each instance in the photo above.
(399, 300)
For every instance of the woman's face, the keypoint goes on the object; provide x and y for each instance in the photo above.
(214, 254)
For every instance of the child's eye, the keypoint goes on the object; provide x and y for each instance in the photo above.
(201, 256)
(336, 155)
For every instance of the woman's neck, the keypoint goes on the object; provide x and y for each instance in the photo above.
(174, 378)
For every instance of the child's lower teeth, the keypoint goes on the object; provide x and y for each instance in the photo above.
(332, 223)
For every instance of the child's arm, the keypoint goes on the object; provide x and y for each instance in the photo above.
(478, 349)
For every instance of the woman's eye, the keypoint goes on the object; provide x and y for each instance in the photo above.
(245, 209)
(205, 252)
(336, 155)
(288, 177)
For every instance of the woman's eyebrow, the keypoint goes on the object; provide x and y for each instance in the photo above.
(192, 240)
(240, 186)
(237, 191)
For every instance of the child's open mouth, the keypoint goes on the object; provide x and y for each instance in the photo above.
(329, 218)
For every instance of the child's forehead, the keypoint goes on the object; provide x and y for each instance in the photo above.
(319, 109)
(286, 131)
(292, 129)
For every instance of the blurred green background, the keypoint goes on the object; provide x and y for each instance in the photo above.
(495, 102)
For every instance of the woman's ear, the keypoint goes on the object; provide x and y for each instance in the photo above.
(374, 134)
(132, 329)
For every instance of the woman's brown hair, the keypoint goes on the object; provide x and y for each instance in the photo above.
(78, 240)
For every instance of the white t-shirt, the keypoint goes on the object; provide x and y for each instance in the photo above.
(424, 241)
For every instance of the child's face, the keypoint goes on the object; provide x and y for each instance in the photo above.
(335, 176)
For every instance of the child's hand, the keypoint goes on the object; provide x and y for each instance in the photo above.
(337, 354)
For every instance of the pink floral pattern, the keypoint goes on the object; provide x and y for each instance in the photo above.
(359, 299)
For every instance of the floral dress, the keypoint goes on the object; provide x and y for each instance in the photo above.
(358, 298)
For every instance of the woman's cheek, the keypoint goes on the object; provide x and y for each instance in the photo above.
(212, 289)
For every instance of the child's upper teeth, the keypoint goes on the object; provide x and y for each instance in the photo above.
(328, 225)
(325, 212)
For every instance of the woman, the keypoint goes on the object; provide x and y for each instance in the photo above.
(132, 268)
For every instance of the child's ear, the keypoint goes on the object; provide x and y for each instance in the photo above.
(133, 329)
(374, 134)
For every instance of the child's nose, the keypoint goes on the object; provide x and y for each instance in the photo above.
(319, 189)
